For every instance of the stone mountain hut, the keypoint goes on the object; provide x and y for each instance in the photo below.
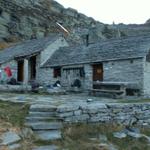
(116, 66)
(119, 65)
(25, 59)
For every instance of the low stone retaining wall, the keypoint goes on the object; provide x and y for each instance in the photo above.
(14, 88)
(126, 114)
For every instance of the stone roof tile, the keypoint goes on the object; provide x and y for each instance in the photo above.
(26, 48)
(123, 48)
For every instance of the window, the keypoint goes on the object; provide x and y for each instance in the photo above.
(76, 72)
(57, 72)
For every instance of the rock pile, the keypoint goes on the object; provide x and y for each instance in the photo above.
(132, 132)
(28, 19)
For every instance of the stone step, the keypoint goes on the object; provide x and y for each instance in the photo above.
(43, 108)
(9, 138)
(41, 114)
(49, 135)
(45, 125)
(37, 119)
(14, 146)
(48, 147)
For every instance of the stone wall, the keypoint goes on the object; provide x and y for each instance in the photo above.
(13, 65)
(131, 70)
(127, 114)
(88, 77)
(47, 53)
(70, 74)
(45, 76)
(147, 79)
(15, 88)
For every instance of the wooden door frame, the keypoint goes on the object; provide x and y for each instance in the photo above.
(98, 66)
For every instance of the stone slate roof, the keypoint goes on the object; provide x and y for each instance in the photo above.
(27, 48)
(115, 49)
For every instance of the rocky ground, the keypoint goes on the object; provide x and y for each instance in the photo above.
(38, 127)
(13, 133)
(22, 20)
(77, 137)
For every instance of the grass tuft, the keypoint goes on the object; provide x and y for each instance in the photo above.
(13, 113)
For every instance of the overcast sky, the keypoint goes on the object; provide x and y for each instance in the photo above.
(107, 11)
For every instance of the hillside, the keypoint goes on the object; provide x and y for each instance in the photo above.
(27, 19)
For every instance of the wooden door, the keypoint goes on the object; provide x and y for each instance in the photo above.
(98, 72)
(20, 75)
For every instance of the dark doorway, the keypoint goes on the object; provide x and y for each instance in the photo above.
(33, 67)
(98, 72)
(20, 75)
(97, 75)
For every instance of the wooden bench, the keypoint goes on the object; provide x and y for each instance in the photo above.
(112, 89)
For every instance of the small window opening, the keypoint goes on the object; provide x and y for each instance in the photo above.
(57, 72)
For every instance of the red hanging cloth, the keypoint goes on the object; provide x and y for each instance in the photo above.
(8, 71)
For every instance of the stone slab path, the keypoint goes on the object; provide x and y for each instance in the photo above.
(42, 116)
(49, 135)
(49, 147)
(10, 139)
(54, 100)
(46, 125)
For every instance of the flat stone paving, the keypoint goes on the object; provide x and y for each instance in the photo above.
(48, 135)
(54, 100)
(10, 138)
(49, 147)
(46, 125)
(43, 108)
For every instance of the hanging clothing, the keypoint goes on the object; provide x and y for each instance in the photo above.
(8, 71)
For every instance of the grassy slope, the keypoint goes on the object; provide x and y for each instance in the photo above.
(75, 137)
(78, 137)
(13, 113)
